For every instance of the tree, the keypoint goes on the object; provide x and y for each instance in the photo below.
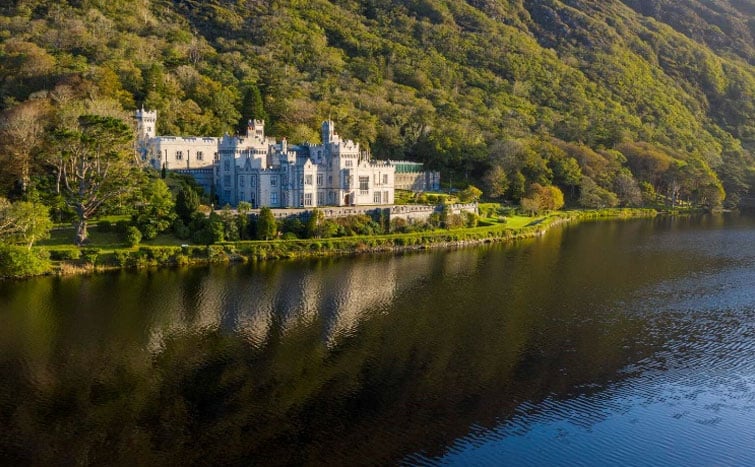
(567, 172)
(252, 107)
(314, 224)
(267, 228)
(594, 196)
(156, 212)
(92, 161)
(627, 189)
(496, 182)
(470, 194)
(242, 220)
(24, 222)
(21, 133)
(187, 202)
(542, 198)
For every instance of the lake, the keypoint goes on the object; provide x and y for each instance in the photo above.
(603, 343)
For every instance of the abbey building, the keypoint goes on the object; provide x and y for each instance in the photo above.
(264, 172)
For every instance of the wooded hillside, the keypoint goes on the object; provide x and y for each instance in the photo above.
(613, 101)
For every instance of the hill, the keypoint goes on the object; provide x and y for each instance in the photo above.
(613, 101)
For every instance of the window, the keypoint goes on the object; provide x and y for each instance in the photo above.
(331, 197)
(364, 185)
(319, 179)
(226, 165)
(307, 179)
(349, 163)
(227, 196)
(149, 128)
(200, 156)
(179, 155)
(274, 198)
(376, 197)
(242, 181)
(242, 196)
(330, 180)
(273, 181)
(386, 199)
(385, 179)
(252, 180)
(307, 199)
(320, 198)
(226, 180)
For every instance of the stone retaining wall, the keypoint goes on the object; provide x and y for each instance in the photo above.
(409, 212)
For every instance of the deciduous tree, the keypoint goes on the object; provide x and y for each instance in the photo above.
(92, 161)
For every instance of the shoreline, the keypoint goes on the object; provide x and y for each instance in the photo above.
(93, 261)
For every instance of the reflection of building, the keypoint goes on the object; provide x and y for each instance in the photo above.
(264, 172)
(278, 298)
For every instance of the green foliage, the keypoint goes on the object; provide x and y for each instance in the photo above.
(155, 213)
(90, 255)
(22, 262)
(267, 228)
(133, 236)
(187, 202)
(24, 222)
(470, 194)
(315, 224)
(68, 254)
(542, 198)
(470, 88)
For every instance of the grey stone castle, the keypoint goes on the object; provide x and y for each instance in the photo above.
(264, 172)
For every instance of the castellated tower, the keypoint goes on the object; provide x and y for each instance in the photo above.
(256, 128)
(328, 132)
(146, 121)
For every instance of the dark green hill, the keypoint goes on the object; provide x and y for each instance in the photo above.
(646, 97)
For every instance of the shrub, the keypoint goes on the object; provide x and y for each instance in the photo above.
(121, 257)
(65, 255)
(180, 230)
(133, 236)
(89, 255)
(17, 261)
(149, 232)
(181, 260)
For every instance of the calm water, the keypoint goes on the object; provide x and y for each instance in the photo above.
(612, 343)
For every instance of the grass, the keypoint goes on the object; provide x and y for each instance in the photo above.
(105, 250)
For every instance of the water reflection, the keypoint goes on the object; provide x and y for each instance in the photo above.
(548, 351)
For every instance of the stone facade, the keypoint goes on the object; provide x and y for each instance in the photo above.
(264, 172)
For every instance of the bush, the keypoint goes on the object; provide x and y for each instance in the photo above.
(133, 236)
(65, 255)
(121, 257)
(17, 261)
(180, 230)
(89, 255)
(149, 232)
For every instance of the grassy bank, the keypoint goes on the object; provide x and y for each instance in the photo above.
(106, 253)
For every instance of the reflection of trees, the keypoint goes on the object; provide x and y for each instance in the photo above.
(337, 360)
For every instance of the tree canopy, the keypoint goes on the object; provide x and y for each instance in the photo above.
(543, 92)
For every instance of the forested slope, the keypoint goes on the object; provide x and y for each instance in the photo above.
(613, 101)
